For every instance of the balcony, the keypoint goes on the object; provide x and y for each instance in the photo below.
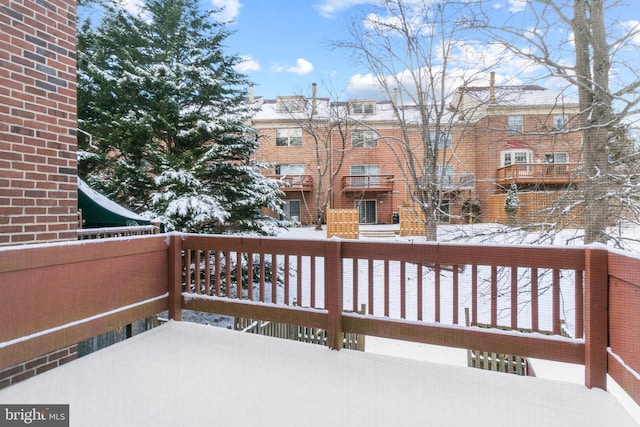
(295, 182)
(367, 183)
(523, 300)
(539, 173)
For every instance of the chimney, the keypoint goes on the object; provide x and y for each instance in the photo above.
(313, 99)
(492, 88)
(395, 101)
(251, 98)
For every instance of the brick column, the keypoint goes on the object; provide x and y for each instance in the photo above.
(38, 121)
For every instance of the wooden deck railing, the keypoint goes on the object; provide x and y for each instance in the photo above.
(531, 296)
(553, 173)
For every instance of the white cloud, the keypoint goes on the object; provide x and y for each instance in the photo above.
(248, 64)
(230, 9)
(301, 68)
(516, 6)
(329, 8)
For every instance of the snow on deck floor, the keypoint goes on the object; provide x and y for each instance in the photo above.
(185, 374)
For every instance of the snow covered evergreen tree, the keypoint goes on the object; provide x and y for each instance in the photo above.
(512, 203)
(166, 112)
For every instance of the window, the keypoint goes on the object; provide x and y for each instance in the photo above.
(364, 139)
(445, 138)
(290, 104)
(515, 157)
(445, 176)
(291, 210)
(289, 169)
(362, 181)
(515, 124)
(556, 158)
(368, 107)
(289, 137)
(560, 122)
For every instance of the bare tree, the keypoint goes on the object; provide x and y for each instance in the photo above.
(594, 56)
(409, 48)
(326, 122)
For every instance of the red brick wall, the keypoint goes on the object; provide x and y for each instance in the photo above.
(38, 193)
(37, 366)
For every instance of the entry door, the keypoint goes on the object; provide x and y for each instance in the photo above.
(367, 209)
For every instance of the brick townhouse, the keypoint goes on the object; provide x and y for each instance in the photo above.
(495, 135)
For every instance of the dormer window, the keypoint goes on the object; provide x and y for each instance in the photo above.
(362, 107)
(290, 104)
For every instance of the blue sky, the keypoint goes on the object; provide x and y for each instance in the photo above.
(286, 46)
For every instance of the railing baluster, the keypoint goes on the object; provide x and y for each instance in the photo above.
(419, 290)
(227, 273)
(239, 275)
(534, 300)
(403, 290)
(455, 295)
(474, 295)
(370, 278)
(514, 298)
(579, 303)
(436, 273)
(312, 260)
(250, 275)
(556, 301)
(355, 284)
(386, 288)
(286, 280)
(262, 278)
(494, 296)
(274, 278)
(299, 279)
(218, 272)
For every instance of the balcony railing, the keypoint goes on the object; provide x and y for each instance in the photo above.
(361, 183)
(295, 182)
(532, 297)
(534, 173)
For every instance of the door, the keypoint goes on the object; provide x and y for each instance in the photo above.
(367, 209)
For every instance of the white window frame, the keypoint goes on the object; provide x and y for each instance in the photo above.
(560, 122)
(510, 157)
(289, 137)
(290, 169)
(364, 139)
(363, 107)
(552, 158)
(516, 124)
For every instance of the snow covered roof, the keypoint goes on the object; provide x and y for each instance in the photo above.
(100, 211)
(526, 95)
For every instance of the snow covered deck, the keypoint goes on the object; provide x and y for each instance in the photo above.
(188, 374)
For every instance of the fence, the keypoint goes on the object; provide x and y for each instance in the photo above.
(411, 221)
(343, 223)
(95, 286)
(536, 207)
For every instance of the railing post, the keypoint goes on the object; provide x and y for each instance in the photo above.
(174, 262)
(333, 293)
(596, 329)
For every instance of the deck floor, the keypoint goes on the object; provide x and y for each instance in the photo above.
(185, 374)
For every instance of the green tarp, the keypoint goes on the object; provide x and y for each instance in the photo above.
(98, 211)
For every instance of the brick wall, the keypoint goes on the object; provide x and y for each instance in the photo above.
(37, 366)
(38, 193)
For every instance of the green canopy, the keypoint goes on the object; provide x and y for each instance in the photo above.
(98, 211)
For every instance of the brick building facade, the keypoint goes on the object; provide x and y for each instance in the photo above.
(495, 136)
(38, 165)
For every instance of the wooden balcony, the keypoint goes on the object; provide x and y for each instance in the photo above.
(367, 183)
(539, 173)
(526, 298)
(295, 182)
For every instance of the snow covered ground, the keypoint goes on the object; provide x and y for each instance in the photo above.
(485, 234)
